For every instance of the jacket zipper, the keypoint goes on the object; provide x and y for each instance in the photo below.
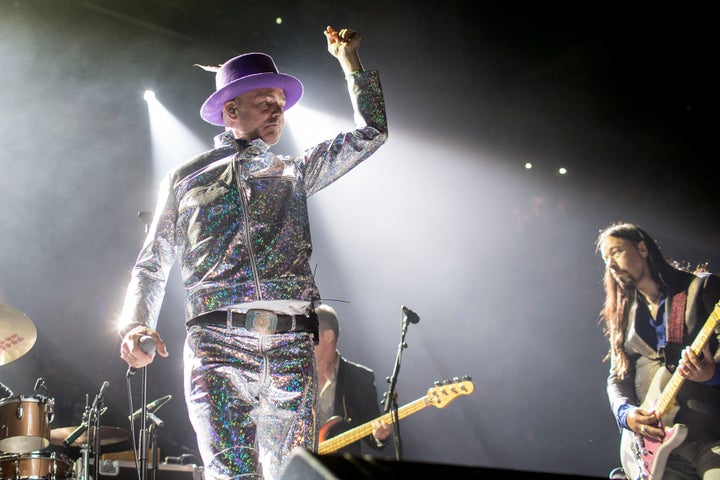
(246, 224)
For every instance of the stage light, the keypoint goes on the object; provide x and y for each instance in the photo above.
(528, 166)
(278, 20)
(307, 126)
(562, 170)
(172, 141)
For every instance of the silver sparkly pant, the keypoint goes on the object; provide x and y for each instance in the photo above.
(250, 399)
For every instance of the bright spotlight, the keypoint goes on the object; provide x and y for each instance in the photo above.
(164, 125)
(278, 20)
(528, 166)
(308, 127)
(562, 170)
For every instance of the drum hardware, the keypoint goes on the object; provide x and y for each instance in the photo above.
(17, 334)
(40, 385)
(88, 434)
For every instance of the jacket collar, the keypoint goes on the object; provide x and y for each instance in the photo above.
(227, 139)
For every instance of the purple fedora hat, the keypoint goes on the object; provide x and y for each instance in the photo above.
(242, 74)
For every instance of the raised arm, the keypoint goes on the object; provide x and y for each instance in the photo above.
(343, 45)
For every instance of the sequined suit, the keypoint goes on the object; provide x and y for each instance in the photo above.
(236, 219)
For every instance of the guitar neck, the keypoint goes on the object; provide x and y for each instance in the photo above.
(361, 431)
(667, 400)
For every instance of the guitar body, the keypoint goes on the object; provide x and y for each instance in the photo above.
(330, 428)
(644, 458)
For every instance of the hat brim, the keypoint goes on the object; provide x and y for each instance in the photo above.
(211, 110)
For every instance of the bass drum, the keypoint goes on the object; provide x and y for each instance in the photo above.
(25, 423)
(36, 466)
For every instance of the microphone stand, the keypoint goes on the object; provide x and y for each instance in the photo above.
(95, 415)
(142, 441)
(155, 423)
(146, 218)
(85, 447)
(390, 396)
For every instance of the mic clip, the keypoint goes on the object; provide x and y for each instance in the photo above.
(158, 422)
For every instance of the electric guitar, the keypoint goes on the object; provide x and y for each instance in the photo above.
(439, 396)
(642, 457)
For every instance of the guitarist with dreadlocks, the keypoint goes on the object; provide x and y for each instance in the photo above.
(662, 325)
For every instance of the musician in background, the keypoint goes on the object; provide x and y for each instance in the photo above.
(347, 390)
(643, 293)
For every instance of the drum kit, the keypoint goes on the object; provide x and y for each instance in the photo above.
(25, 433)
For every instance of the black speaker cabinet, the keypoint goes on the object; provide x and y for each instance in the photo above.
(304, 465)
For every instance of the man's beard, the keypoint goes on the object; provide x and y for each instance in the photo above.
(625, 279)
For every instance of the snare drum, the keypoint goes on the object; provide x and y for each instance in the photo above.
(25, 423)
(35, 466)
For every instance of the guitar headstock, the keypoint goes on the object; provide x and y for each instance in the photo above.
(446, 391)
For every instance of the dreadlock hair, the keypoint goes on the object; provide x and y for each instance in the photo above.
(618, 300)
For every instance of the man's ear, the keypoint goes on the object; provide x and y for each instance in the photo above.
(328, 335)
(230, 109)
(642, 248)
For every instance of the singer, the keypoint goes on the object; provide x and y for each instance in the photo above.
(236, 219)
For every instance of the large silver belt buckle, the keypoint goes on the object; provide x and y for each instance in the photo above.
(261, 321)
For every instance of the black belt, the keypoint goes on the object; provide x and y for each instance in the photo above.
(261, 321)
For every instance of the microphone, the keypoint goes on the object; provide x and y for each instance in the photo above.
(409, 315)
(75, 434)
(151, 407)
(102, 389)
(147, 345)
(81, 429)
(154, 419)
(145, 216)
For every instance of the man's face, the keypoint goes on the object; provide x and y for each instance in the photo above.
(259, 114)
(326, 343)
(626, 260)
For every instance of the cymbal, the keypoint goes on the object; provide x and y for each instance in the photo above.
(108, 436)
(17, 334)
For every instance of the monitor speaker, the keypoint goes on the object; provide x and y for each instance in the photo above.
(305, 465)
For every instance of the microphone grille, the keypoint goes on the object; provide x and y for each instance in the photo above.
(147, 344)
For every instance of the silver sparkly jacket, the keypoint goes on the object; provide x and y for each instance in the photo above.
(236, 217)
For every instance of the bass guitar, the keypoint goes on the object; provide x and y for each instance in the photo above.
(439, 396)
(642, 457)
